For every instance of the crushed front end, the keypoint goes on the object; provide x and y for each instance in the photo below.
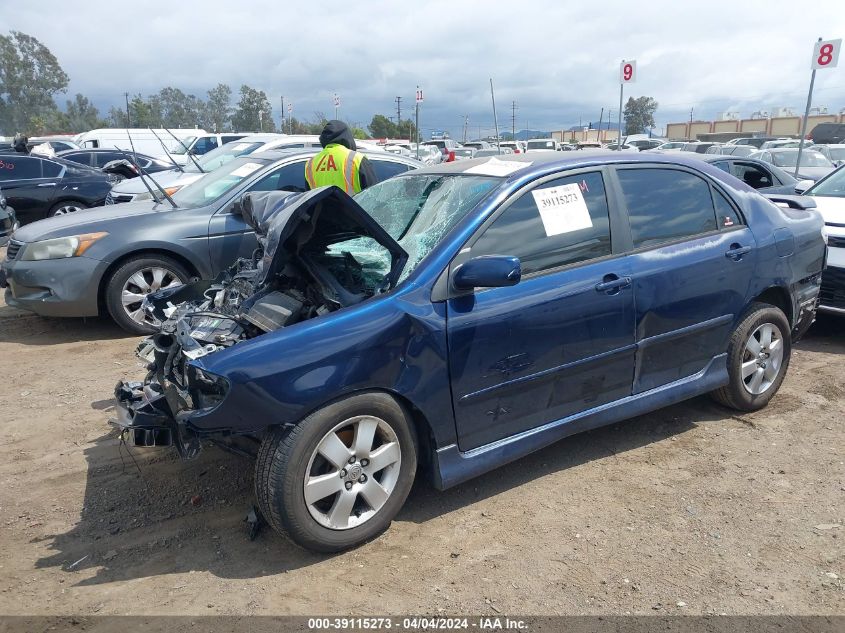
(319, 252)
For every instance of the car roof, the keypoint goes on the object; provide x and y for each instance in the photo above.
(293, 152)
(541, 162)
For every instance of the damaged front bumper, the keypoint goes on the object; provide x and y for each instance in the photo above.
(145, 419)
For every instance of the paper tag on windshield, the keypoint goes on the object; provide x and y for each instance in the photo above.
(496, 167)
(246, 169)
(562, 209)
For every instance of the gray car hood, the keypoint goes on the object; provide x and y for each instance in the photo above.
(85, 221)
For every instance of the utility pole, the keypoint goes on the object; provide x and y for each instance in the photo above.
(513, 120)
(336, 105)
(689, 131)
(466, 123)
(399, 116)
(282, 116)
(601, 117)
(261, 120)
(128, 119)
(418, 100)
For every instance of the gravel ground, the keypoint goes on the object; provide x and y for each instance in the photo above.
(691, 509)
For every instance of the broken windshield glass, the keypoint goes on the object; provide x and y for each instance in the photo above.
(418, 210)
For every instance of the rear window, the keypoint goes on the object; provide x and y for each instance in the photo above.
(541, 144)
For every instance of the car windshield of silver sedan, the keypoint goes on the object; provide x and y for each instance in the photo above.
(833, 186)
(222, 155)
(182, 148)
(216, 184)
(418, 210)
(808, 159)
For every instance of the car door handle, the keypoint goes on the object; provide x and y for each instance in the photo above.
(736, 252)
(47, 184)
(612, 283)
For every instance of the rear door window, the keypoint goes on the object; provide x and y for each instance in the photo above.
(18, 168)
(557, 223)
(666, 205)
(50, 169)
(101, 158)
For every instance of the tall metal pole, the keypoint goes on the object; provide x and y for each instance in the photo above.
(495, 118)
(128, 118)
(619, 131)
(417, 126)
(804, 122)
(282, 116)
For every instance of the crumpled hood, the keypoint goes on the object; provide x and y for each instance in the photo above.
(285, 222)
(337, 132)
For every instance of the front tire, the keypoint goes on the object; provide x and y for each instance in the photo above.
(338, 478)
(758, 357)
(136, 278)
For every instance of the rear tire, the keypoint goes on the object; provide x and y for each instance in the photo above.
(66, 207)
(758, 358)
(337, 478)
(134, 279)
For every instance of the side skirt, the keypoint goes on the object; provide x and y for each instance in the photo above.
(453, 467)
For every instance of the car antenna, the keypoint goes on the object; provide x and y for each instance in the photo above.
(143, 173)
(187, 151)
(164, 147)
(143, 180)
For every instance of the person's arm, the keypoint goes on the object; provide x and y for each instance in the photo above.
(366, 174)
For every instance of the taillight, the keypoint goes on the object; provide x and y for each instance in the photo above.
(515, 151)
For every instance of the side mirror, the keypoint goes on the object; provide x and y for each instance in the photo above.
(237, 207)
(487, 271)
(802, 185)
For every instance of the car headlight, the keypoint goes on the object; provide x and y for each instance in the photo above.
(60, 247)
(141, 197)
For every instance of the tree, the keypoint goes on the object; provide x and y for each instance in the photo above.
(30, 75)
(218, 108)
(253, 112)
(639, 114)
(80, 116)
(382, 127)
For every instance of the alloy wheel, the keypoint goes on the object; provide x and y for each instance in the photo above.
(67, 208)
(352, 472)
(762, 359)
(139, 285)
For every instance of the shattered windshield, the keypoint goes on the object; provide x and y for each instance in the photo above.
(418, 210)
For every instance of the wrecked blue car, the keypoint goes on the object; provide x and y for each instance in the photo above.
(456, 318)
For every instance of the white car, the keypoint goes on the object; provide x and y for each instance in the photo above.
(835, 152)
(134, 189)
(829, 195)
(197, 145)
(671, 146)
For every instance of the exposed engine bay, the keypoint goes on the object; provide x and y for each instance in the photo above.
(318, 252)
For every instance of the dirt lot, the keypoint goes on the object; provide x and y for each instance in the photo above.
(687, 510)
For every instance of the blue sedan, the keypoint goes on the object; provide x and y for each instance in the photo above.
(460, 317)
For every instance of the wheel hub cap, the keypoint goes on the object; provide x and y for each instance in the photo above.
(762, 359)
(352, 472)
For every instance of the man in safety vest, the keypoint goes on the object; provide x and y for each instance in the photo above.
(339, 164)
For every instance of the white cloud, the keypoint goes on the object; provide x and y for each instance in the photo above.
(559, 61)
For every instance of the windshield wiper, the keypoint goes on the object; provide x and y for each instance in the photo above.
(187, 151)
(144, 173)
(164, 147)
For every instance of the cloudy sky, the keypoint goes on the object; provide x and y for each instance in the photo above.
(558, 60)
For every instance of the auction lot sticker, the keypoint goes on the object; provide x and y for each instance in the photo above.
(562, 209)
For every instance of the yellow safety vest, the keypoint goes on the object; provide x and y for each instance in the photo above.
(335, 165)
